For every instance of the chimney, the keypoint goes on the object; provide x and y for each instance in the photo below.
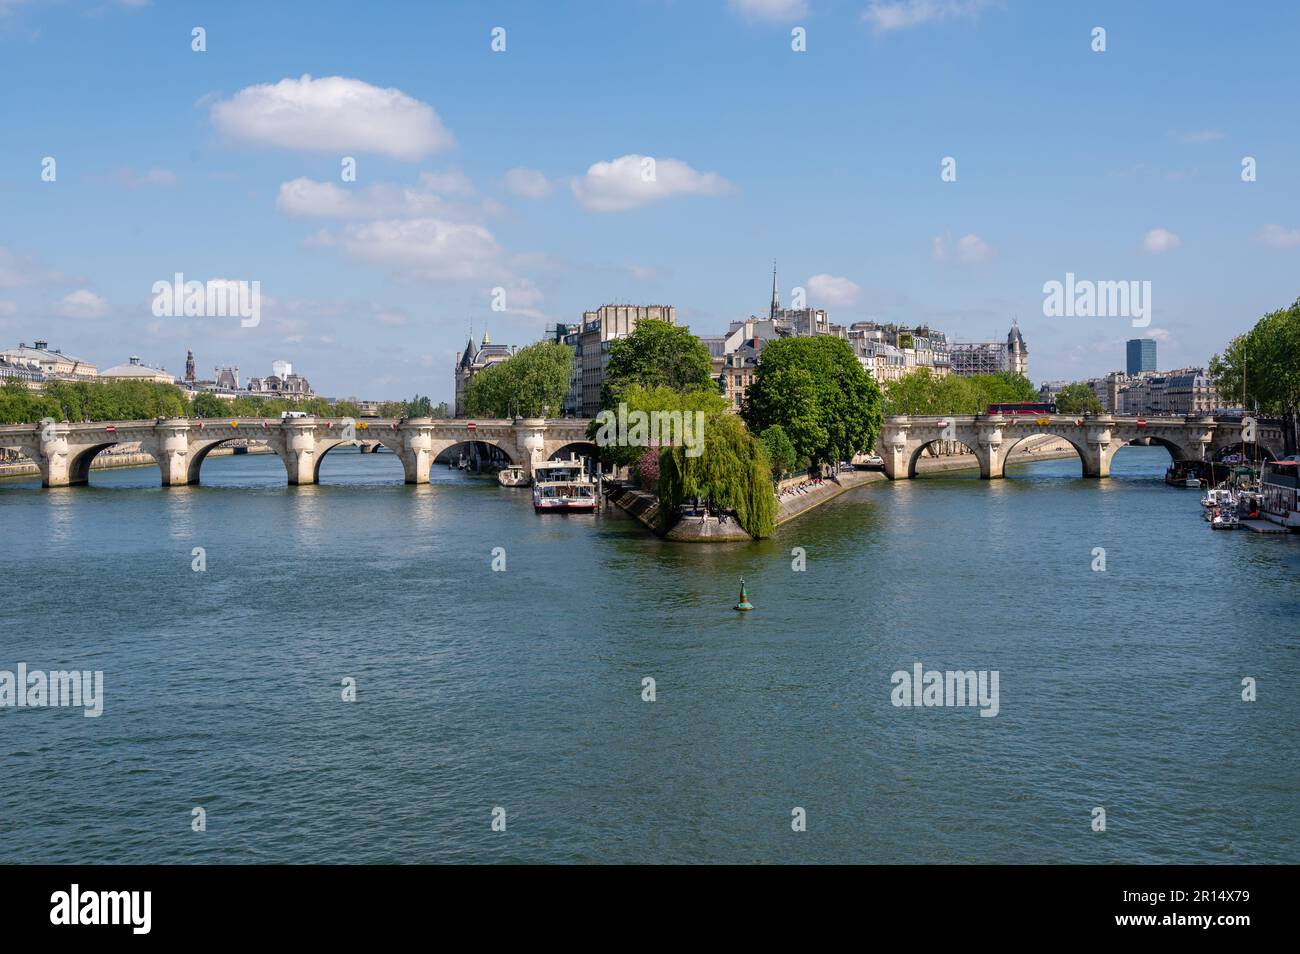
(135, 359)
(40, 345)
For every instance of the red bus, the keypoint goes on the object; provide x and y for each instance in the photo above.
(1024, 407)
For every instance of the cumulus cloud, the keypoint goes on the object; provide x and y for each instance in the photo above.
(18, 271)
(634, 180)
(424, 249)
(832, 290)
(528, 183)
(307, 198)
(968, 250)
(1278, 237)
(1160, 240)
(774, 10)
(332, 114)
(82, 303)
(888, 15)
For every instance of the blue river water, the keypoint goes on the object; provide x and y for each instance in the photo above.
(522, 689)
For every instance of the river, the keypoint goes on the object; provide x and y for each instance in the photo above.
(521, 689)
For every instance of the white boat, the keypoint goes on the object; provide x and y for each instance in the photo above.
(512, 476)
(1279, 493)
(563, 485)
(1218, 497)
(1224, 518)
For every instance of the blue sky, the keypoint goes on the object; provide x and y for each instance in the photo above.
(479, 170)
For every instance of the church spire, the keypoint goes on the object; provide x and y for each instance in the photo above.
(776, 295)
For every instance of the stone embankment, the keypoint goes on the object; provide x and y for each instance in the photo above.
(644, 506)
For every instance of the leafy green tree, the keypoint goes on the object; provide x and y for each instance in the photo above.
(1265, 364)
(921, 392)
(419, 406)
(650, 400)
(657, 354)
(1078, 398)
(780, 450)
(529, 383)
(733, 473)
(819, 393)
(208, 405)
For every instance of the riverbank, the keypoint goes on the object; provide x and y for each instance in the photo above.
(644, 506)
(107, 461)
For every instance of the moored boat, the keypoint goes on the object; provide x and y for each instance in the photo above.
(563, 486)
(1279, 493)
(512, 476)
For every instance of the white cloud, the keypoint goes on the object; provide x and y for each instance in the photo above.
(1160, 240)
(393, 317)
(1198, 136)
(17, 271)
(447, 182)
(968, 250)
(770, 9)
(82, 303)
(831, 290)
(306, 198)
(1159, 334)
(154, 177)
(427, 249)
(634, 180)
(528, 183)
(332, 114)
(1279, 237)
(887, 15)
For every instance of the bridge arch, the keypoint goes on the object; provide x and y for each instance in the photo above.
(915, 457)
(583, 448)
(324, 447)
(1016, 441)
(79, 462)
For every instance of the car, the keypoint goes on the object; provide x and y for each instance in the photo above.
(872, 460)
(285, 415)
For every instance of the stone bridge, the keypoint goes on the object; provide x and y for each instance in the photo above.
(991, 438)
(63, 452)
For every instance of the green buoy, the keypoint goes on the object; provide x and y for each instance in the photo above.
(744, 603)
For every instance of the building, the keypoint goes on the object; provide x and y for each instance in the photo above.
(472, 361)
(282, 382)
(189, 368)
(52, 364)
(1141, 356)
(889, 351)
(738, 370)
(599, 329)
(991, 357)
(31, 376)
(1181, 393)
(133, 370)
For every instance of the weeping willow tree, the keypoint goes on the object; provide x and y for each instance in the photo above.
(732, 473)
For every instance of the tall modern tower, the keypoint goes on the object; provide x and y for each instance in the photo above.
(1141, 355)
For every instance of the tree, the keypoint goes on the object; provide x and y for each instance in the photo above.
(650, 401)
(1078, 398)
(780, 451)
(921, 392)
(529, 383)
(657, 354)
(1265, 363)
(733, 473)
(207, 404)
(419, 406)
(817, 390)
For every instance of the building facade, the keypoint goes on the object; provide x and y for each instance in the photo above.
(1140, 355)
(52, 364)
(991, 357)
(134, 370)
(591, 358)
(472, 361)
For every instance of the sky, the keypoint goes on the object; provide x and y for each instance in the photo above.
(519, 163)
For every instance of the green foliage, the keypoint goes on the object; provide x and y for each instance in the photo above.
(733, 473)
(819, 393)
(1266, 361)
(91, 401)
(780, 450)
(657, 354)
(419, 406)
(1078, 398)
(649, 400)
(529, 383)
(922, 393)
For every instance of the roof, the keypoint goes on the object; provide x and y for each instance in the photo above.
(133, 371)
(36, 354)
